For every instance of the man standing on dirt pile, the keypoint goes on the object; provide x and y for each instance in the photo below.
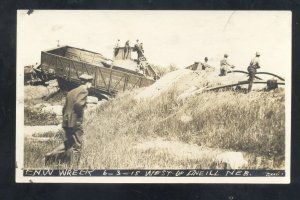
(141, 48)
(72, 124)
(254, 65)
(225, 66)
(126, 49)
(117, 47)
(205, 65)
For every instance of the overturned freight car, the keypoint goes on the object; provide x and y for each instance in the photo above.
(67, 63)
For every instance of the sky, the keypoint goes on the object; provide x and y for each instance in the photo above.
(169, 37)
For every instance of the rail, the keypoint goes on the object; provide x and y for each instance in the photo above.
(239, 83)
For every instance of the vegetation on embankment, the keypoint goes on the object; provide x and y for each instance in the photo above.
(252, 123)
(170, 126)
(35, 117)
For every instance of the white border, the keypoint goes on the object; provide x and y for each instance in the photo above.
(248, 180)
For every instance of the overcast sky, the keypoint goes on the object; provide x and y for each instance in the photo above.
(177, 37)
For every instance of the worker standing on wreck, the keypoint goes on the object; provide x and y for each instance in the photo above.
(116, 49)
(126, 49)
(225, 66)
(205, 65)
(252, 69)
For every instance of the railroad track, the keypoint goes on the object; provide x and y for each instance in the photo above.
(239, 83)
(247, 82)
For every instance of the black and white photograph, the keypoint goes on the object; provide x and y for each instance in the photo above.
(141, 96)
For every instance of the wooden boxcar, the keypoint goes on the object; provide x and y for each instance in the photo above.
(68, 63)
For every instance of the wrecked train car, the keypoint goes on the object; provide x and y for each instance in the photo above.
(67, 63)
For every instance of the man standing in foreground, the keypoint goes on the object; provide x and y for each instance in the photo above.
(254, 65)
(72, 123)
(224, 66)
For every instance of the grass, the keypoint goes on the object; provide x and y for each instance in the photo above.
(253, 123)
(35, 117)
(35, 150)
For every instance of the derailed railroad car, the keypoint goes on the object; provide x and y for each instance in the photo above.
(67, 63)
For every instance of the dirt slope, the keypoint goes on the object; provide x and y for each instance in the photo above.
(187, 81)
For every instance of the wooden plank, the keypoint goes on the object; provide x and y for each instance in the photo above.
(87, 71)
(118, 82)
(86, 57)
(125, 83)
(103, 78)
(69, 70)
(135, 84)
(95, 80)
(75, 69)
(109, 80)
(62, 66)
(131, 83)
(239, 83)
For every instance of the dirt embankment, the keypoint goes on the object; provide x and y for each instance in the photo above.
(170, 125)
(174, 124)
(188, 83)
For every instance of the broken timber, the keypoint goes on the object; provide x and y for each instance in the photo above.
(239, 83)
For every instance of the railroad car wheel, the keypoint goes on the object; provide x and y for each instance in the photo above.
(62, 83)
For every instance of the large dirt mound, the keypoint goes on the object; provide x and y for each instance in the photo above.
(187, 82)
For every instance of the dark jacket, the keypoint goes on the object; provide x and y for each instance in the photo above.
(73, 108)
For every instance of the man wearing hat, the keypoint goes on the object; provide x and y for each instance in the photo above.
(117, 47)
(141, 47)
(252, 68)
(72, 122)
(126, 50)
(224, 65)
(204, 65)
